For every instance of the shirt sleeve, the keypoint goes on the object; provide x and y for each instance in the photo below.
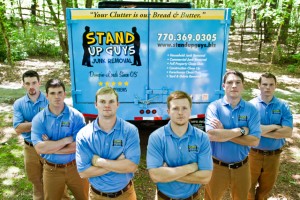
(205, 156)
(79, 124)
(287, 117)
(18, 116)
(37, 129)
(211, 113)
(254, 122)
(154, 151)
(132, 149)
(84, 154)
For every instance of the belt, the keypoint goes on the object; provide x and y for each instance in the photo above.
(73, 162)
(28, 143)
(231, 165)
(165, 197)
(267, 152)
(113, 194)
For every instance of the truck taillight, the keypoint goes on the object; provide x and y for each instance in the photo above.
(153, 111)
(142, 111)
(148, 111)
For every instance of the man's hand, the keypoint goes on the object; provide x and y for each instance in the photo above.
(68, 140)
(45, 137)
(95, 160)
(216, 124)
(121, 157)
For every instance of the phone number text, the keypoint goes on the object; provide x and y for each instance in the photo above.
(186, 37)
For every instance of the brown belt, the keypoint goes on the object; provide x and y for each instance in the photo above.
(28, 143)
(73, 162)
(266, 152)
(165, 197)
(231, 165)
(113, 194)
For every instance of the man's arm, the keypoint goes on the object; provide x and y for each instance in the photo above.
(92, 172)
(96, 170)
(246, 140)
(167, 174)
(283, 132)
(50, 147)
(219, 134)
(121, 165)
(198, 177)
(23, 127)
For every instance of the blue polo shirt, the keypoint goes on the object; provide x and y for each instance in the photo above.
(25, 110)
(165, 146)
(68, 123)
(92, 140)
(243, 115)
(276, 112)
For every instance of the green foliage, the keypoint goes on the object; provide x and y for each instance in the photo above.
(41, 41)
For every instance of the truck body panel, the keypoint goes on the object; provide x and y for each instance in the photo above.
(180, 49)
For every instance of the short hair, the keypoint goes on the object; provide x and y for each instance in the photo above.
(30, 73)
(235, 72)
(54, 83)
(267, 75)
(106, 90)
(178, 95)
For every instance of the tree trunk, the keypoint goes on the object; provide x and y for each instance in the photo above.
(276, 54)
(286, 24)
(21, 16)
(60, 31)
(88, 3)
(4, 34)
(243, 29)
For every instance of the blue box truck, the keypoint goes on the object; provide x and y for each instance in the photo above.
(145, 54)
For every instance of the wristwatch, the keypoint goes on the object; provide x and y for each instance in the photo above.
(242, 131)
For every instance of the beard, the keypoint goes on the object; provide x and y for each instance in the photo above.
(32, 92)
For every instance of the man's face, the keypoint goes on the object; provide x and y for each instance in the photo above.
(56, 96)
(233, 86)
(179, 111)
(31, 85)
(267, 87)
(107, 105)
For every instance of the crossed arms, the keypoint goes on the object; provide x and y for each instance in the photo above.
(101, 166)
(188, 173)
(219, 134)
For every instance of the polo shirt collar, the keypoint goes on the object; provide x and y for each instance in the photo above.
(274, 100)
(97, 128)
(240, 104)
(169, 131)
(40, 98)
(65, 111)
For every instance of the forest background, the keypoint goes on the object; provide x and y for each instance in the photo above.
(264, 36)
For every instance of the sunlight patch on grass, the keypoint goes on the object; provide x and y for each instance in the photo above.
(295, 153)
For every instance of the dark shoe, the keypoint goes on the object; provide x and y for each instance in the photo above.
(133, 64)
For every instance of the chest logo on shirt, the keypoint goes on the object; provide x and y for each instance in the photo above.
(65, 124)
(242, 117)
(276, 111)
(118, 143)
(41, 108)
(193, 148)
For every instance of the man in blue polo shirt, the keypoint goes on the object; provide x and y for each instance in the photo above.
(108, 151)
(54, 131)
(178, 154)
(232, 125)
(25, 109)
(276, 125)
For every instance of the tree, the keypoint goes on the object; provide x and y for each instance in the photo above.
(4, 33)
